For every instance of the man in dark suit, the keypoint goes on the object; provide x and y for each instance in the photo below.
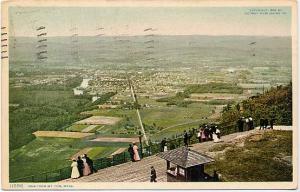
(80, 166)
(153, 175)
(185, 138)
(163, 144)
(261, 123)
(240, 124)
(266, 123)
(131, 152)
(272, 123)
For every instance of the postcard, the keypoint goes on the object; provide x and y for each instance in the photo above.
(149, 94)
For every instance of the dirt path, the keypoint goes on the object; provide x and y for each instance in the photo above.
(120, 150)
(116, 139)
(64, 134)
(81, 152)
(186, 123)
(138, 114)
(89, 128)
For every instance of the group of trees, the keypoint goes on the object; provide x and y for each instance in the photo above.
(46, 108)
(179, 101)
(214, 88)
(275, 103)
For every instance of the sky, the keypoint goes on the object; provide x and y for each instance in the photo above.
(219, 21)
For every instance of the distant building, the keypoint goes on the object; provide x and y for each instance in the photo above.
(95, 98)
(77, 91)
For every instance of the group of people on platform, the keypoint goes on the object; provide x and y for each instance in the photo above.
(245, 124)
(133, 150)
(264, 123)
(204, 133)
(83, 166)
(209, 133)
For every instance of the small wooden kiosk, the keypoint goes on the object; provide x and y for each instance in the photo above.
(187, 165)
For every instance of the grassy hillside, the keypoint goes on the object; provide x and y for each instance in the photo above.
(275, 103)
(260, 157)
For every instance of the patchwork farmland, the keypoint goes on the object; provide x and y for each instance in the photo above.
(177, 92)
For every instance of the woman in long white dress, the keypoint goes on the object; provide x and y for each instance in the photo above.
(86, 169)
(75, 172)
(136, 152)
(216, 136)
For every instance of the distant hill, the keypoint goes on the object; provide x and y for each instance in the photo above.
(153, 51)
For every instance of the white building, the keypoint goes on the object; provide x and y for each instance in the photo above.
(77, 91)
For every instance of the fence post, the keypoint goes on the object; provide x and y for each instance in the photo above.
(141, 145)
(46, 177)
(32, 178)
(60, 175)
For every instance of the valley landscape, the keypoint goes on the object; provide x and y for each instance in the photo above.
(75, 94)
(174, 93)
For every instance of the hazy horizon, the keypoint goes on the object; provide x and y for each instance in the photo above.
(134, 21)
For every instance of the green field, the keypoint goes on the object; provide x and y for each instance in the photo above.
(172, 115)
(76, 127)
(98, 152)
(159, 121)
(47, 154)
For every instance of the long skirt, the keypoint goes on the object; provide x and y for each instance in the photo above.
(136, 155)
(86, 169)
(75, 173)
(215, 138)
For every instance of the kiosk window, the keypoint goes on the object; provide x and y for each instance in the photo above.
(181, 171)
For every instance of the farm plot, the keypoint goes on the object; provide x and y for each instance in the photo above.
(99, 120)
(89, 128)
(77, 127)
(63, 134)
(116, 139)
(211, 96)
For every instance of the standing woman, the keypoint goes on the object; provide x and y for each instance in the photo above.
(136, 152)
(203, 137)
(199, 135)
(75, 172)
(86, 169)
